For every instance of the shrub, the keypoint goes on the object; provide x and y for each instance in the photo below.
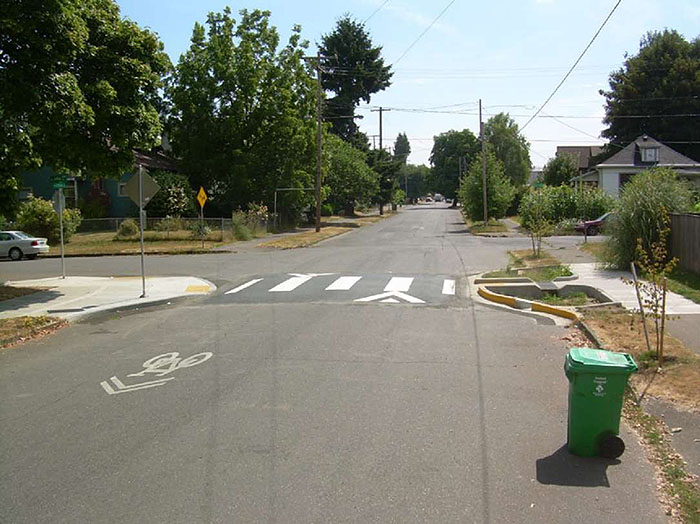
(4, 224)
(592, 203)
(563, 202)
(37, 217)
(199, 230)
(240, 226)
(326, 210)
(500, 191)
(169, 224)
(644, 202)
(128, 228)
(175, 197)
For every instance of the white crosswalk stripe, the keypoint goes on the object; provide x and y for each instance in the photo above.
(402, 284)
(448, 287)
(243, 286)
(343, 284)
(291, 283)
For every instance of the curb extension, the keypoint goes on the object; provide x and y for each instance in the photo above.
(534, 306)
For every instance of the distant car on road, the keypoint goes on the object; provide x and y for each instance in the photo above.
(593, 227)
(18, 244)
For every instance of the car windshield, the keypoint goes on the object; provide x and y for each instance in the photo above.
(603, 217)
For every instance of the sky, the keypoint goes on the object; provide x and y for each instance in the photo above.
(511, 54)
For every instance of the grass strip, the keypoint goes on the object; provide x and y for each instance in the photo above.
(493, 226)
(19, 329)
(578, 298)
(8, 292)
(681, 494)
(305, 239)
(685, 283)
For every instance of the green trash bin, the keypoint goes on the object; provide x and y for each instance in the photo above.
(597, 381)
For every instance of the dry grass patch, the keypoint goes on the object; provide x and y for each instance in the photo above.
(155, 242)
(525, 258)
(677, 382)
(19, 329)
(8, 292)
(305, 239)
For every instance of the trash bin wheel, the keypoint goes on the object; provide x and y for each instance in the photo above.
(612, 447)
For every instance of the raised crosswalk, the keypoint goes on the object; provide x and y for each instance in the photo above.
(334, 287)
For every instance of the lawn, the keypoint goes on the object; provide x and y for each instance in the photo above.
(305, 239)
(155, 242)
(685, 283)
(8, 292)
(19, 329)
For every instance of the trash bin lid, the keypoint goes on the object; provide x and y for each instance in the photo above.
(598, 360)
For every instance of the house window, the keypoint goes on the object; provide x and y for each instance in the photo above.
(650, 154)
(122, 189)
(26, 193)
(624, 178)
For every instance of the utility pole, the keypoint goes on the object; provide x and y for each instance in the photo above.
(483, 165)
(381, 111)
(319, 141)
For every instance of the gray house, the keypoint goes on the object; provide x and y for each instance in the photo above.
(643, 153)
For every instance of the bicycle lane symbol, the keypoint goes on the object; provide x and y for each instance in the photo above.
(160, 366)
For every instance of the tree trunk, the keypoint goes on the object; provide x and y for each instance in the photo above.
(349, 208)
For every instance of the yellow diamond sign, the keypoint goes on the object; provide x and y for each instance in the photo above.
(201, 197)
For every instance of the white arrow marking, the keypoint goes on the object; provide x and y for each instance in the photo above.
(343, 284)
(448, 287)
(297, 280)
(244, 286)
(123, 388)
(395, 294)
(399, 284)
(390, 301)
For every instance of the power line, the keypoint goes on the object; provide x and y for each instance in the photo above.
(375, 11)
(425, 31)
(573, 66)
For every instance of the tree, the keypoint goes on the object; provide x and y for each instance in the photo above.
(353, 71)
(660, 81)
(402, 148)
(448, 148)
(175, 197)
(348, 177)
(388, 170)
(416, 178)
(243, 117)
(79, 87)
(500, 191)
(560, 170)
(503, 137)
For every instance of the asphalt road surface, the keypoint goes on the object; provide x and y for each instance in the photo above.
(292, 399)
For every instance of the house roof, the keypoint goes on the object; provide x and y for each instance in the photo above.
(632, 156)
(583, 154)
(155, 159)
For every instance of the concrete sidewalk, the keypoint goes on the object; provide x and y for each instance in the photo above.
(611, 283)
(75, 297)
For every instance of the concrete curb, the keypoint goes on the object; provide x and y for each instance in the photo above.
(520, 304)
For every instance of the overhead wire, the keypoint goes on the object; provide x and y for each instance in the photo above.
(573, 66)
(375, 11)
(423, 33)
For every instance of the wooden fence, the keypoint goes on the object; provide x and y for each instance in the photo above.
(685, 240)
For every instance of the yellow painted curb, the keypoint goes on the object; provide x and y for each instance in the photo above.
(544, 308)
(495, 297)
(197, 289)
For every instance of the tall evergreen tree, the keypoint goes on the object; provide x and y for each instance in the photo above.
(652, 90)
(402, 148)
(353, 71)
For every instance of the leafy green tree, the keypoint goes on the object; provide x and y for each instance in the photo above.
(79, 87)
(644, 204)
(175, 197)
(416, 178)
(560, 170)
(388, 170)
(402, 148)
(503, 137)
(349, 178)
(38, 217)
(661, 80)
(500, 192)
(448, 148)
(243, 117)
(353, 71)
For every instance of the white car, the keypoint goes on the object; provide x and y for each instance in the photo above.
(17, 244)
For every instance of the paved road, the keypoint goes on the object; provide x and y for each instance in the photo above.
(307, 407)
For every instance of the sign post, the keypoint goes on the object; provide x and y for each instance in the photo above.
(59, 183)
(202, 199)
(141, 189)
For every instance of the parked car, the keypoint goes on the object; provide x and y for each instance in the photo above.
(593, 227)
(18, 244)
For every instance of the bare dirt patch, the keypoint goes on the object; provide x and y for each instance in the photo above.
(14, 331)
(305, 239)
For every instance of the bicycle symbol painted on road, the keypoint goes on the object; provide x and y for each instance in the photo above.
(168, 362)
(160, 366)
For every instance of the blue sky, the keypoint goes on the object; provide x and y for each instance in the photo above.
(509, 53)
